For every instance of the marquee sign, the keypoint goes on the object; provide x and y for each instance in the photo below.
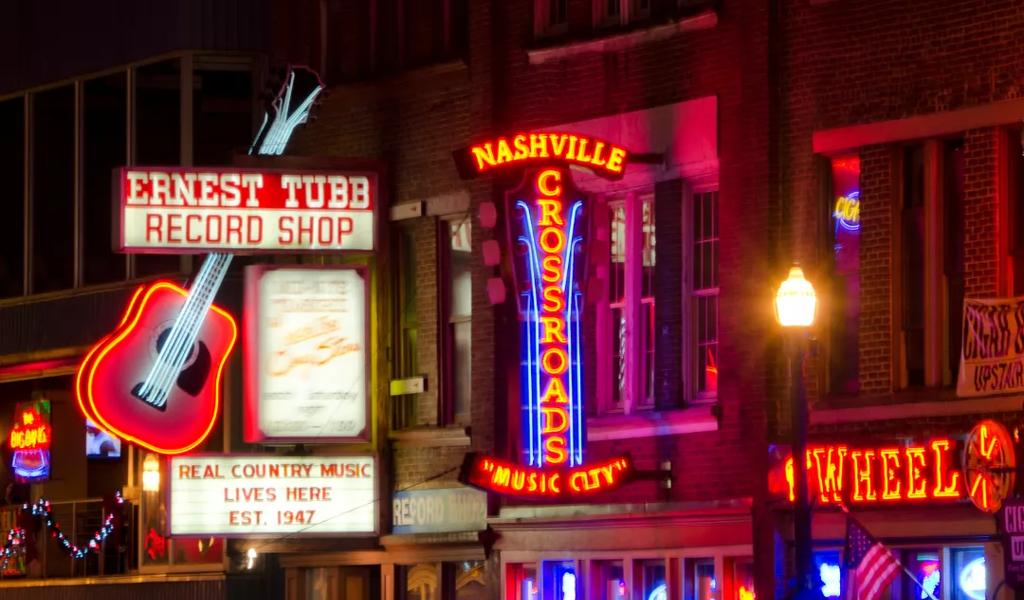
(29, 441)
(251, 495)
(222, 209)
(941, 469)
(547, 226)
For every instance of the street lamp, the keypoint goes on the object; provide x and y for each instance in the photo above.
(151, 473)
(794, 308)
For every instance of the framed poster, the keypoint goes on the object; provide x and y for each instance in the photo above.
(305, 354)
(246, 495)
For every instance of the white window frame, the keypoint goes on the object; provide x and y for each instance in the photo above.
(636, 369)
(631, 400)
(690, 294)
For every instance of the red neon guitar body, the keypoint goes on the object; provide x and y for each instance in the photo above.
(115, 367)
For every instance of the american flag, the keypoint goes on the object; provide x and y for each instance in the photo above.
(872, 567)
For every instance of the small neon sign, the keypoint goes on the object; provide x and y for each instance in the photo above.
(29, 441)
(847, 211)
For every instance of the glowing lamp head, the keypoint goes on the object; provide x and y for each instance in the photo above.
(795, 301)
(151, 473)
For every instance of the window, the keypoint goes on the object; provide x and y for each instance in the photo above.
(640, 575)
(610, 13)
(705, 584)
(372, 38)
(829, 569)
(53, 189)
(521, 582)
(649, 580)
(103, 131)
(926, 566)
(931, 262)
(12, 171)
(843, 208)
(945, 572)
(158, 137)
(626, 322)
(458, 310)
(610, 580)
(705, 293)
(743, 579)
(406, 363)
(467, 579)
(551, 17)
(560, 580)
(418, 582)
(969, 572)
(912, 265)
(630, 303)
(1015, 184)
(222, 108)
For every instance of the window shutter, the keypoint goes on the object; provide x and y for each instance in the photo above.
(668, 294)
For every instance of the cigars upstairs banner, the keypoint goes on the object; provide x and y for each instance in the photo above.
(992, 354)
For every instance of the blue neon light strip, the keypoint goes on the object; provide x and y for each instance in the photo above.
(533, 308)
(572, 326)
(531, 339)
(577, 399)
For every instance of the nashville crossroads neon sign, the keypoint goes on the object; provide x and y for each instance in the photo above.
(837, 473)
(547, 221)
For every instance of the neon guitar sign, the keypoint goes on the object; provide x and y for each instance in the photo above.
(155, 380)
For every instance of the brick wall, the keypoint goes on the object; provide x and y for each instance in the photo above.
(877, 189)
(980, 213)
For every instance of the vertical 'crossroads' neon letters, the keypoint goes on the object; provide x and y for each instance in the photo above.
(554, 358)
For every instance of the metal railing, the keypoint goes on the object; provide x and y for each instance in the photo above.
(42, 555)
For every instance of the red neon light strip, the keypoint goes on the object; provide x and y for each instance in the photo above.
(508, 478)
(121, 336)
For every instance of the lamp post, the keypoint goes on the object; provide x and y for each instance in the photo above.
(794, 308)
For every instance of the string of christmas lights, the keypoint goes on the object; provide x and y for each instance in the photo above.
(41, 508)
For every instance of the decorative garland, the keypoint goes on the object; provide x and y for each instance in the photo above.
(41, 508)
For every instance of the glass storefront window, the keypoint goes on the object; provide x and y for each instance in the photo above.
(743, 579)
(829, 569)
(469, 580)
(705, 584)
(521, 582)
(649, 578)
(970, 573)
(560, 580)
(609, 580)
(926, 565)
(418, 582)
